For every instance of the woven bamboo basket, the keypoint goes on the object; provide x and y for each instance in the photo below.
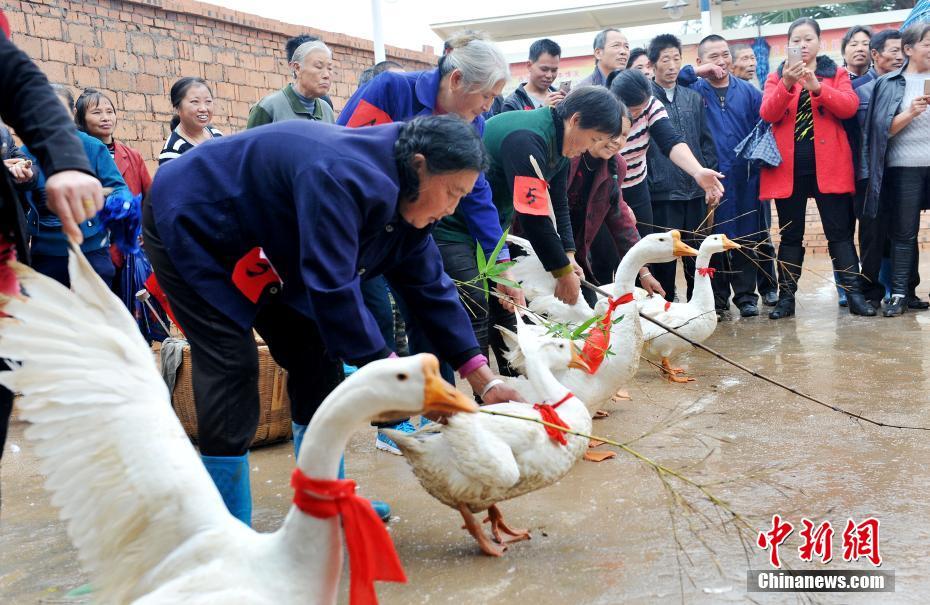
(274, 421)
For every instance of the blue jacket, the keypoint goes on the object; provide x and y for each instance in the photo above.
(739, 213)
(403, 96)
(45, 227)
(325, 221)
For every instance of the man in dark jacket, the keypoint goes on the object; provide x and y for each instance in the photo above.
(731, 108)
(542, 68)
(32, 109)
(677, 201)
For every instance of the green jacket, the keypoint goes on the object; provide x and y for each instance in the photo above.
(284, 105)
(510, 139)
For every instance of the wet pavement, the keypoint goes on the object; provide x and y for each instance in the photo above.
(607, 532)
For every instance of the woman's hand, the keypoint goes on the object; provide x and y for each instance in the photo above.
(650, 284)
(502, 394)
(811, 83)
(709, 181)
(567, 288)
(792, 74)
(21, 170)
(512, 296)
(74, 197)
(576, 268)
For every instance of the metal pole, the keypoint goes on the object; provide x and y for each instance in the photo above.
(378, 33)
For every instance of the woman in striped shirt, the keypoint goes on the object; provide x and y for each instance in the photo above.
(190, 126)
(650, 122)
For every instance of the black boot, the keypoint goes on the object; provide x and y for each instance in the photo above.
(902, 257)
(790, 259)
(846, 270)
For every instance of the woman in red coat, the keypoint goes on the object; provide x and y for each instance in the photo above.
(806, 102)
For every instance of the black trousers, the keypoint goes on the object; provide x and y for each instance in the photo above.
(836, 213)
(224, 358)
(485, 312)
(687, 216)
(736, 271)
(640, 202)
(909, 192)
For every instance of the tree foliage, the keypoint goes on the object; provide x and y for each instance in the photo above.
(824, 11)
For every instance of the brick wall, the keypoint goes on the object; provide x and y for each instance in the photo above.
(136, 50)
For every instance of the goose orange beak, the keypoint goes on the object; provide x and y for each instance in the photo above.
(440, 396)
(729, 244)
(578, 361)
(680, 248)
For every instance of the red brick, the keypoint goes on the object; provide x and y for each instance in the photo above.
(44, 27)
(115, 79)
(115, 40)
(224, 90)
(97, 57)
(141, 44)
(214, 72)
(84, 77)
(203, 54)
(82, 34)
(29, 45)
(55, 72)
(17, 23)
(132, 101)
(161, 104)
(190, 68)
(154, 65)
(226, 58)
(166, 48)
(148, 84)
(126, 62)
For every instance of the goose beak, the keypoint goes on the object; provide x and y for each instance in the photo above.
(680, 248)
(578, 361)
(729, 244)
(439, 395)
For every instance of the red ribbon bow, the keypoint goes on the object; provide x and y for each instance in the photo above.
(707, 272)
(597, 341)
(548, 414)
(4, 25)
(371, 552)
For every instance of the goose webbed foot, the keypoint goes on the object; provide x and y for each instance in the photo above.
(484, 543)
(674, 374)
(496, 519)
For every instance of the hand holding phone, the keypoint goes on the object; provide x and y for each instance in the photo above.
(927, 87)
(792, 55)
(566, 86)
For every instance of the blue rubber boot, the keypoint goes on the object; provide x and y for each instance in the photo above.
(298, 430)
(231, 476)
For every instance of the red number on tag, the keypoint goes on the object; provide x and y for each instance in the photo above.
(254, 273)
(366, 114)
(530, 196)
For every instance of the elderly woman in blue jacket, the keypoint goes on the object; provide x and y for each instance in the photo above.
(260, 231)
(48, 244)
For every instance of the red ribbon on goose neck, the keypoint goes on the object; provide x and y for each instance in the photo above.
(597, 341)
(707, 272)
(548, 414)
(371, 552)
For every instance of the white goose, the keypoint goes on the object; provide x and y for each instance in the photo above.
(477, 460)
(149, 525)
(696, 318)
(617, 369)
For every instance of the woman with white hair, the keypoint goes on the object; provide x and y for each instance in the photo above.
(312, 68)
(466, 82)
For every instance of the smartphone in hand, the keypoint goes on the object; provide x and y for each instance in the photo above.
(566, 86)
(927, 87)
(792, 55)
